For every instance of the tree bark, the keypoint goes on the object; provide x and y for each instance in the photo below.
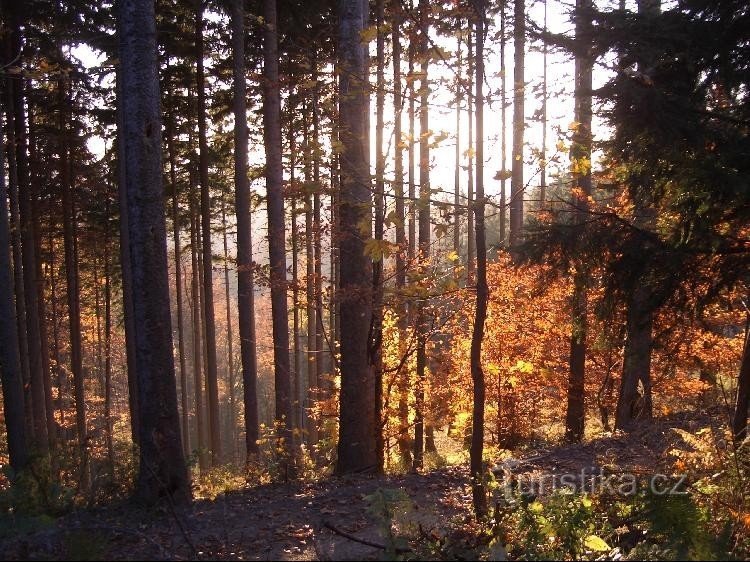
(519, 92)
(357, 446)
(479, 493)
(580, 152)
(276, 226)
(10, 361)
(742, 403)
(162, 470)
(245, 293)
(212, 376)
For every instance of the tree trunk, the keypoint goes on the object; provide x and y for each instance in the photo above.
(519, 93)
(424, 233)
(375, 352)
(108, 346)
(357, 446)
(10, 362)
(543, 163)
(71, 272)
(503, 126)
(212, 377)
(315, 382)
(245, 294)
(185, 406)
(232, 416)
(126, 273)
(477, 375)
(457, 167)
(162, 465)
(470, 234)
(580, 150)
(404, 442)
(276, 226)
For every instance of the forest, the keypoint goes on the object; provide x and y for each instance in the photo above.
(387, 279)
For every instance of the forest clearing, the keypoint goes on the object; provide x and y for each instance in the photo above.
(375, 279)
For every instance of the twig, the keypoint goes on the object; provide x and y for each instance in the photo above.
(332, 527)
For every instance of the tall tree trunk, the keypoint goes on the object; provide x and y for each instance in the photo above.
(519, 95)
(412, 212)
(457, 167)
(185, 406)
(245, 294)
(375, 351)
(315, 382)
(71, 272)
(404, 445)
(212, 376)
(108, 344)
(17, 140)
(580, 151)
(10, 361)
(424, 231)
(276, 223)
(126, 273)
(477, 375)
(357, 446)
(470, 234)
(232, 415)
(162, 469)
(296, 369)
(543, 162)
(503, 125)
(40, 284)
(197, 293)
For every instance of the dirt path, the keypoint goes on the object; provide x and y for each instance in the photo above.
(293, 521)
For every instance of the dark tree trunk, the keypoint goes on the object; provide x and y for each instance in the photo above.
(126, 273)
(245, 295)
(108, 345)
(162, 470)
(519, 95)
(471, 250)
(212, 377)
(580, 150)
(276, 223)
(375, 352)
(404, 442)
(185, 406)
(477, 375)
(503, 127)
(71, 273)
(424, 233)
(10, 362)
(231, 415)
(315, 382)
(357, 446)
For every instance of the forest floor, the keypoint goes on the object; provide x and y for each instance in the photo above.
(332, 519)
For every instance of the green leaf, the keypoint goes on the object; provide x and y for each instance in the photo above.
(592, 542)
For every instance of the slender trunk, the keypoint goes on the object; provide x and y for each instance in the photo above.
(375, 352)
(245, 293)
(200, 430)
(503, 127)
(61, 379)
(477, 375)
(162, 465)
(404, 445)
(580, 150)
(231, 422)
(185, 406)
(10, 361)
(543, 161)
(108, 345)
(71, 272)
(357, 446)
(457, 167)
(315, 381)
(424, 233)
(276, 225)
(412, 249)
(470, 229)
(310, 310)
(295, 280)
(519, 91)
(212, 377)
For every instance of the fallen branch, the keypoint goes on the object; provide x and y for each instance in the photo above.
(332, 527)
